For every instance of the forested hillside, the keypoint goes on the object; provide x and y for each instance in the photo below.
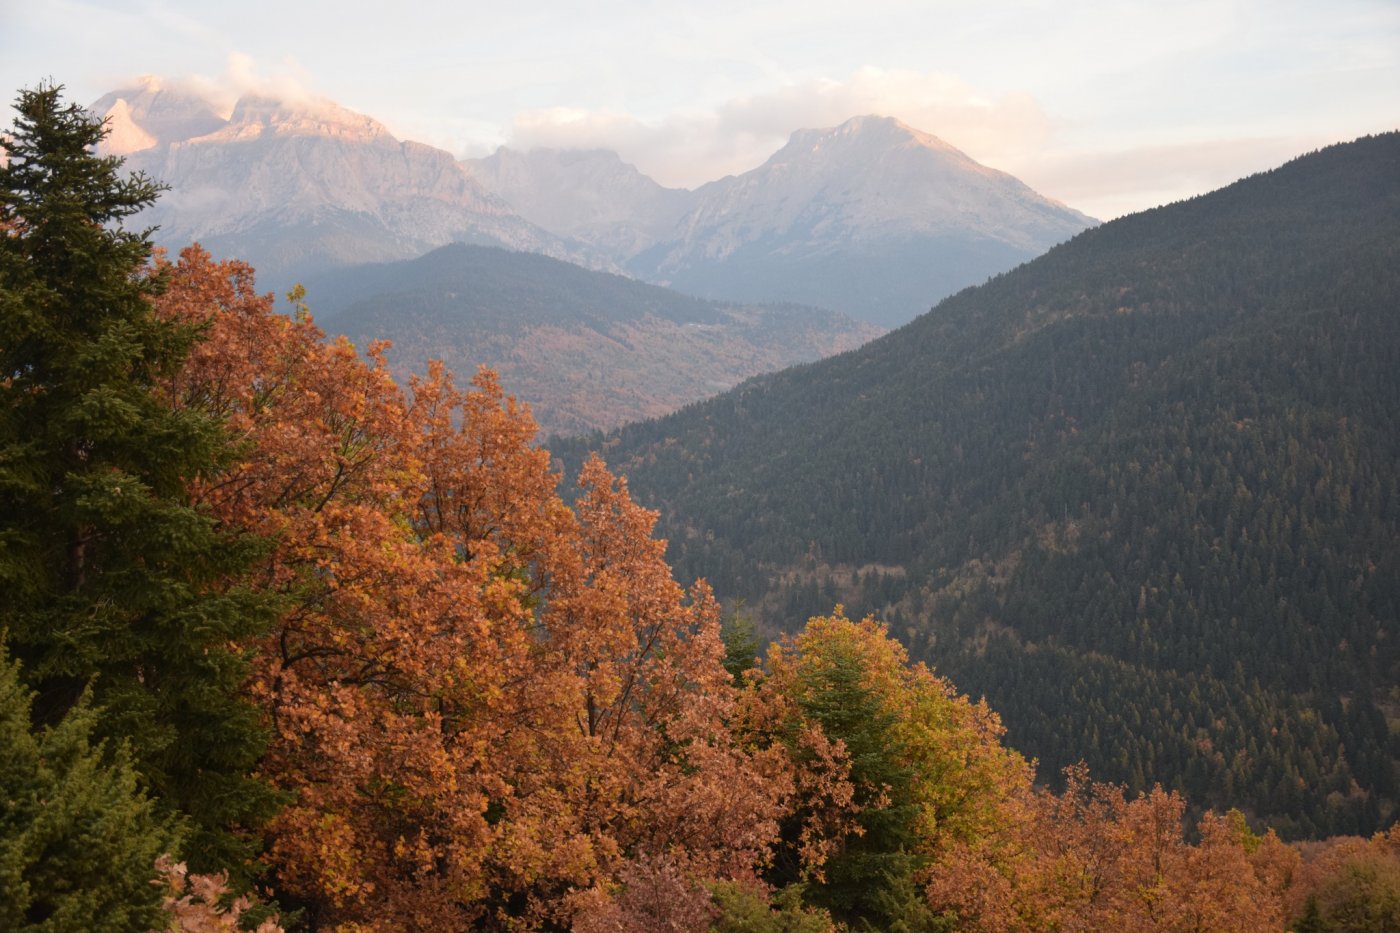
(585, 349)
(1143, 493)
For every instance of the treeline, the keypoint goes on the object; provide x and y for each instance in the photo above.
(273, 625)
(1157, 467)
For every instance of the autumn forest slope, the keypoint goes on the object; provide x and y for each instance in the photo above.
(585, 349)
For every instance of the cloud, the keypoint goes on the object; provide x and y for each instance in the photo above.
(1109, 184)
(693, 147)
(1103, 177)
(244, 75)
(683, 150)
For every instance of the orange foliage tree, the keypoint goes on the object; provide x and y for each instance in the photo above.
(482, 701)
(1092, 859)
(1348, 883)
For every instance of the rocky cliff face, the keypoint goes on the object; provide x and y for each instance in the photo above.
(869, 179)
(296, 187)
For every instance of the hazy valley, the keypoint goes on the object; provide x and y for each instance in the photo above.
(588, 350)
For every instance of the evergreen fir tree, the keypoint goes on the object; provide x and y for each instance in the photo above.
(740, 643)
(867, 883)
(114, 579)
(78, 838)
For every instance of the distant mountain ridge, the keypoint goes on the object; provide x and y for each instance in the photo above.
(588, 195)
(870, 171)
(872, 217)
(587, 350)
(1142, 492)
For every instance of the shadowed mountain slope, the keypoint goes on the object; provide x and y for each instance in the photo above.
(1143, 493)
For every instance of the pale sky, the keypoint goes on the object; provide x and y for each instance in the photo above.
(1111, 107)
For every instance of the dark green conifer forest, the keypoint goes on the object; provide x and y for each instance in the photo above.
(1141, 492)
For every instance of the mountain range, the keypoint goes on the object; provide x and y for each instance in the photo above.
(588, 195)
(297, 187)
(872, 218)
(1143, 493)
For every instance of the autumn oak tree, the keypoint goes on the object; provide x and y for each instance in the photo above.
(483, 701)
(916, 768)
(1093, 858)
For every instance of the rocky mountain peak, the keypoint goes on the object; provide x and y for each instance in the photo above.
(149, 112)
(296, 184)
(872, 217)
(588, 194)
(870, 141)
(124, 134)
(871, 129)
(258, 114)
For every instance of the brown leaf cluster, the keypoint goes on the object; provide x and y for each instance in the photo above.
(655, 897)
(203, 903)
(1349, 883)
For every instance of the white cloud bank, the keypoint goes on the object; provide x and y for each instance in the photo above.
(1109, 184)
(1011, 131)
(690, 148)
